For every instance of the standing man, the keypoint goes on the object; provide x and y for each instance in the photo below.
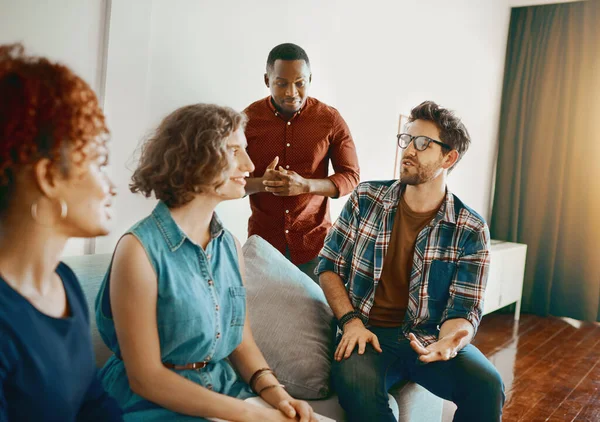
(404, 269)
(291, 140)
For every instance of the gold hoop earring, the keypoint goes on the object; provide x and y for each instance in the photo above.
(63, 211)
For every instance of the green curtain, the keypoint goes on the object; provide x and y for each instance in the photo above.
(547, 188)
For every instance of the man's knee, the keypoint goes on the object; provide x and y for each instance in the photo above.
(480, 395)
(487, 386)
(493, 386)
(358, 372)
(360, 384)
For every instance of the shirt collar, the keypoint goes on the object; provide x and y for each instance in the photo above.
(269, 101)
(171, 231)
(445, 213)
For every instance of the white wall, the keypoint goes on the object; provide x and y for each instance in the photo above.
(126, 105)
(523, 3)
(70, 31)
(371, 60)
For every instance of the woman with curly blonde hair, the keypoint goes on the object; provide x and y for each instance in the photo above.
(52, 187)
(172, 307)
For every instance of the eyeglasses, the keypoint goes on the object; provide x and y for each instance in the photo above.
(419, 142)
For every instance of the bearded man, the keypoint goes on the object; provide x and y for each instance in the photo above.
(404, 269)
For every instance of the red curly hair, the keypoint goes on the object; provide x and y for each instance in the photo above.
(46, 111)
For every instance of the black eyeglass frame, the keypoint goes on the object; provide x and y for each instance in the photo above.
(429, 140)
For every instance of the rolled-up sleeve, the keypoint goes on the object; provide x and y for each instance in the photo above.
(468, 286)
(337, 251)
(344, 160)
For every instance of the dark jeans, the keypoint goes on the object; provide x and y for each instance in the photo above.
(307, 268)
(469, 380)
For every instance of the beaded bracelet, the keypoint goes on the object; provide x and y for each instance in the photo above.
(269, 387)
(347, 318)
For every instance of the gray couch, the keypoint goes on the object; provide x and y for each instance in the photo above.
(410, 401)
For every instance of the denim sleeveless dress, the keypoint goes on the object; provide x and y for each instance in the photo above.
(200, 312)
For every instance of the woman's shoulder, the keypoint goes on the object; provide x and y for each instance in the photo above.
(147, 223)
(71, 283)
(231, 242)
(68, 277)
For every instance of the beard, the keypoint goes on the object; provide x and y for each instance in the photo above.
(420, 173)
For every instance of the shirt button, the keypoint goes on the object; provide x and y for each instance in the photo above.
(289, 123)
(209, 387)
(208, 358)
(287, 167)
(277, 114)
(218, 335)
(210, 282)
(287, 211)
(217, 308)
(288, 145)
(208, 256)
(287, 231)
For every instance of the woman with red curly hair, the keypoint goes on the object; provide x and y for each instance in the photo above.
(52, 187)
(172, 307)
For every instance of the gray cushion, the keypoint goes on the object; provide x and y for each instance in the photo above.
(331, 408)
(90, 270)
(291, 321)
(416, 404)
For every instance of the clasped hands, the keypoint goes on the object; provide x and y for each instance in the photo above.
(282, 182)
(356, 334)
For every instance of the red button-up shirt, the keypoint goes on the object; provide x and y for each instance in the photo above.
(304, 144)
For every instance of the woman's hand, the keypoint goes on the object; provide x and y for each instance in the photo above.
(261, 414)
(297, 410)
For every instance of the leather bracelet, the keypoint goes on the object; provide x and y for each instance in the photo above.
(258, 374)
(347, 318)
(269, 387)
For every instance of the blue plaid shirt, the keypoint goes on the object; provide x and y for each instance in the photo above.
(450, 262)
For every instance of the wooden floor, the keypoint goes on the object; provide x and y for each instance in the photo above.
(550, 367)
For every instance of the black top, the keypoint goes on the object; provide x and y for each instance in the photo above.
(47, 368)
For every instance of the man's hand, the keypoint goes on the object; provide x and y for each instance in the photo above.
(355, 333)
(287, 183)
(445, 348)
(271, 173)
(255, 184)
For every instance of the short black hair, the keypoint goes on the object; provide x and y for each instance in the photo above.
(452, 130)
(286, 51)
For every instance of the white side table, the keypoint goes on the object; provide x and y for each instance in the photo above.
(505, 280)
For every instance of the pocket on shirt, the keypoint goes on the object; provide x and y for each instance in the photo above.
(237, 300)
(440, 277)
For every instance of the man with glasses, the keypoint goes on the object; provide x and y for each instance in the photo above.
(404, 269)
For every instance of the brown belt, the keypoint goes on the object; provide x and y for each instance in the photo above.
(195, 365)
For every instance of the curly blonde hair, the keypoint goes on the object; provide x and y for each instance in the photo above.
(187, 154)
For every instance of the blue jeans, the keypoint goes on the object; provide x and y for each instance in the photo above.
(469, 380)
(307, 268)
